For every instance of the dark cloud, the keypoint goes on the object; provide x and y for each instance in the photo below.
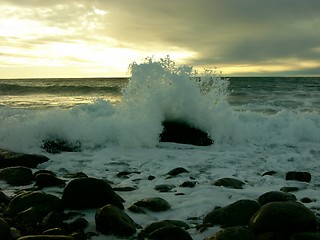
(219, 32)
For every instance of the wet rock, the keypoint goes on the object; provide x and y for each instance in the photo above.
(298, 176)
(52, 220)
(75, 175)
(155, 204)
(48, 180)
(43, 203)
(4, 198)
(177, 171)
(229, 183)
(306, 200)
(89, 192)
(179, 132)
(164, 223)
(289, 189)
(112, 220)
(269, 173)
(164, 187)
(16, 176)
(188, 184)
(276, 196)
(78, 225)
(46, 237)
(13, 159)
(306, 236)
(233, 233)
(283, 217)
(170, 233)
(125, 174)
(150, 178)
(237, 213)
(57, 145)
(4, 230)
(124, 189)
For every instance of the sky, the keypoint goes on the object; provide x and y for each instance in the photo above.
(101, 38)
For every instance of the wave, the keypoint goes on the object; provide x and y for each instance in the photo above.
(158, 91)
(13, 89)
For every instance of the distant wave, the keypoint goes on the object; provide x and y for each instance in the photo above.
(12, 89)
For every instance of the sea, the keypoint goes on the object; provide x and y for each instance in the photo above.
(258, 124)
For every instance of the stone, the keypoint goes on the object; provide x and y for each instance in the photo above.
(13, 159)
(233, 233)
(16, 176)
(48, 180)
(164, 223)
(298, 176)
(229, 183)
(82, 193)
(155, 204)
(53, 219)
(46, 237)
(306, 236)
(170, 233)
(283, 217)
(57, 145)
(112, 220)
(4, 230)
(187, 184)
(4, 198)
(42, 202)
(276, 196)
(235, 214)
(164, 187)
(177, 171)
(180, 132)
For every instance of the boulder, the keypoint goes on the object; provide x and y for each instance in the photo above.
(46, 237)
(57, 145)
(229, 183)
(298, 176)
(164, 223)
(233, 233)
(235, 214)
(12, 159)
(4, 230)
(48, 180)
(112, 220)
(180, 132)
(177, 171)
(42, 202)
(82, 193)
(155, 204)
(276, 196)
(170, 233)
(16, 176)
(286, 217)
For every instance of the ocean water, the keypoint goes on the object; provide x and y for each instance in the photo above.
(258, 124)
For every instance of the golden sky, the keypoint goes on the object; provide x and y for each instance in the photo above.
(100, 38)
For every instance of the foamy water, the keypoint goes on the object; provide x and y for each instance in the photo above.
(257, 126)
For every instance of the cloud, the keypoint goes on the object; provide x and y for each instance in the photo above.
(213, 32)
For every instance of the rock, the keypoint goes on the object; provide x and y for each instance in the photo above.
(164, 223)
(27, 220)
(52, 220)
(48, 180)
(229, 183)
(269, 173)
(78, 225)
(4, 230)
(155, 204)
(89, 192)
(4, 198)
(233, 233)
(283, 217)
(276, 196)
(112, 220)
(237, 213)
(306, 200)
(13, 159)
(124, 189)
(170, 233)
(306, 236)
(188, 184)
(177, 171)
(289, 189)
(164, 187)
(16, 176)
(75, 175)
(42, 202)
(46, 237)
(298, 176)
(179, 132)
(57, 145)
